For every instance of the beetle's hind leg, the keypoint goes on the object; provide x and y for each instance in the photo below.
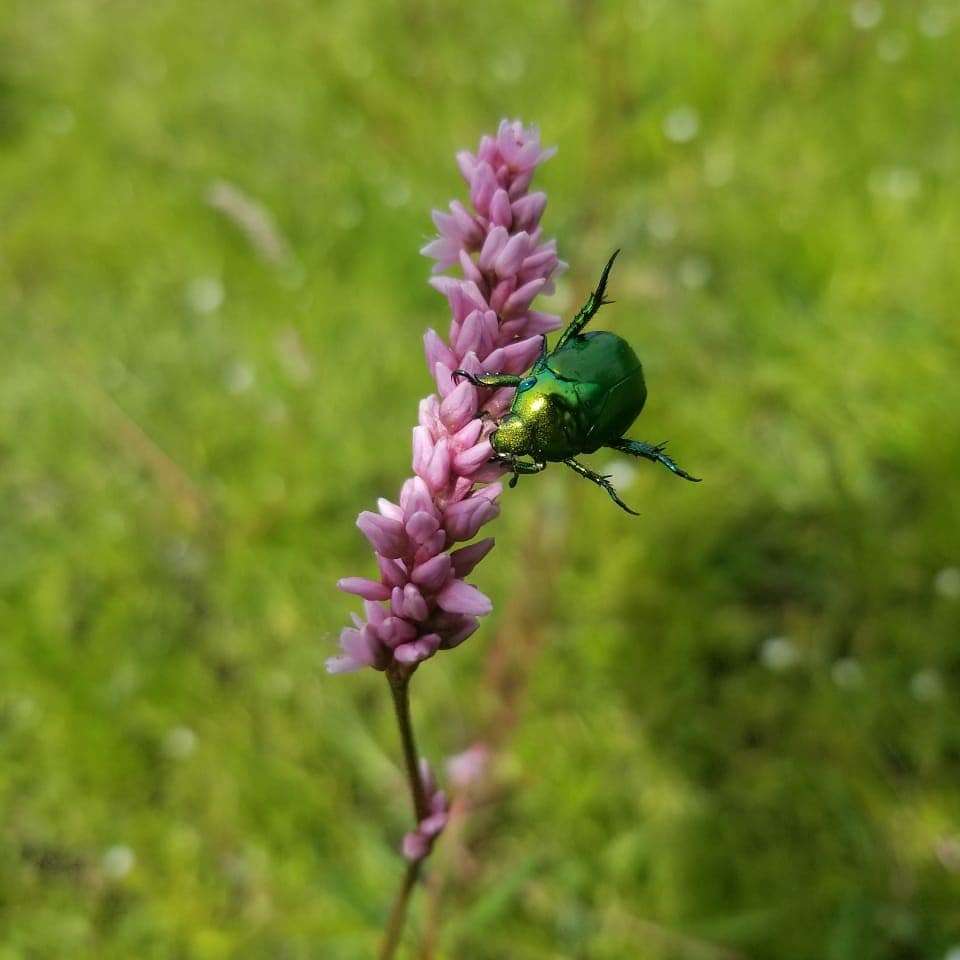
(652, 452)
(594, 302)
(601, 481)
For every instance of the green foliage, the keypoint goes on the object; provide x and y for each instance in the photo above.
(734, 728)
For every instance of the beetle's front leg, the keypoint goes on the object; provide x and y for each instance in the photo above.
(520, 467)
(489, 379)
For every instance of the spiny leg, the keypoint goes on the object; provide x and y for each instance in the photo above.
(594, 302)
(489, 379)
(601, 481)
(653, 452)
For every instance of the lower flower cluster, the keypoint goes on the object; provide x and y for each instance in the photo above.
(418, 843)
(430, 606)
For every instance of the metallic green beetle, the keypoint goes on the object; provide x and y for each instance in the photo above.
(581, 396)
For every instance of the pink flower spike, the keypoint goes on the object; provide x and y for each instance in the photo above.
(438, 471)
(498, 262)
(368, 589)
(512, 255)
(343, 664)
(469, 434)
(528, 209)
(392, 572)
(437, 351)
(520, 299)
(459, 406)
(467, 163)
(421, 526)
(422, 450)
(501, 212)
(538, 322)
(483, 185)
(386, 536)
(496, 240)
(466, 768)
(415, 846)
(460, 597)
(433, 574)
(464, 630)
(414, 606)
(466, 558)
(471, 460)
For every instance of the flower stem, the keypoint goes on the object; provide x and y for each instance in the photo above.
(391, 936)
(399, 678)
(399, 687)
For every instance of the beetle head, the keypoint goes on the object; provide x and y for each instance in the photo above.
(512, 436)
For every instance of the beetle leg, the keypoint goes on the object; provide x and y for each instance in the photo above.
(594, 302)
(522, 467)
(601, 481)
(489, 379)
(652, 452)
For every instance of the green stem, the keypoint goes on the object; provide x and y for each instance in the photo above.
(400, 689)
(398, 913)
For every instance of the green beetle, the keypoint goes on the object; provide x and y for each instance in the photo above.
(581, 396)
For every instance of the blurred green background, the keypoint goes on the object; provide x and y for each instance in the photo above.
(727, 729)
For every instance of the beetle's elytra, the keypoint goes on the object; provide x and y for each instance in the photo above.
(583, 395)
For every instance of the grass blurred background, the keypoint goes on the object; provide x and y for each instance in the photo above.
(727, 729)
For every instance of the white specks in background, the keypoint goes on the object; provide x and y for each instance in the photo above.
(947, 583)
(396, 194)
(179, 743)
(897, 184)
(185, 557)
(205, 295)
(953, 953)
(681, 125)
(118, 861)
(947, 850)
(509, 66)
(275, 412)
(779, 654)
(466, 768)
(866, 14)
(348, 215)
(694, 272)
(239, 377)
(926, 686)
(847, 673)
(892, 47)
(640, 15)
(718, 166)
(22, 711)
(662, 225)
(292, 355)
(622, 472)
(934, 21)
